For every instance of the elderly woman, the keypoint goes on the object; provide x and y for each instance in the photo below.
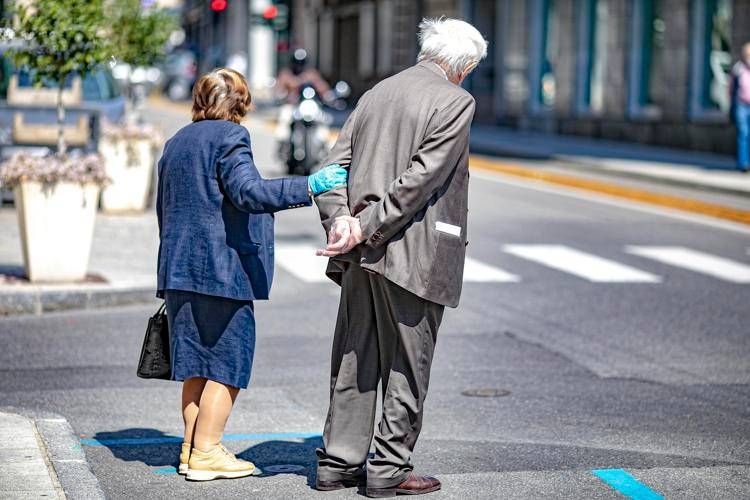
(215, 216)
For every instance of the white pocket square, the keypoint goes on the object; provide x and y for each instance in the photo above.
(448, 228)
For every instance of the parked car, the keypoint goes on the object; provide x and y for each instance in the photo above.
(100, 90)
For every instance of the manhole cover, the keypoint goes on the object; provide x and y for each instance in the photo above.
(283, 469)
(485, 393)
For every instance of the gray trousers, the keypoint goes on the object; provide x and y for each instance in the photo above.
(383, 334)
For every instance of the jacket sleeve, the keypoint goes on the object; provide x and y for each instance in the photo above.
(242, 184)
(431, 166)
(335, 203)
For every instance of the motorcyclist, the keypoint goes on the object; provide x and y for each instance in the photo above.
(289, 82)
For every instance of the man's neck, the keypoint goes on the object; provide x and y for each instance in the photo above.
(441, 69)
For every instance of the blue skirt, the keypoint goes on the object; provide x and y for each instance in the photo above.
(210, 337)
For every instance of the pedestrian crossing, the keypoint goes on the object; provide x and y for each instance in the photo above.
(694, 260)
(581, 264)
(300, 261)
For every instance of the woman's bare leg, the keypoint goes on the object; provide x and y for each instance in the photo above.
(214, 408)
(191, 396)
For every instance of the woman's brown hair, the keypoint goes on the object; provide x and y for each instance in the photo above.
(221, 95)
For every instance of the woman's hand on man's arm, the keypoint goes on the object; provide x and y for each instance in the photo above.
(327, 178)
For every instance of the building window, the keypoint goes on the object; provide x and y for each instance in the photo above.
(544, 44)
(592, 56)
(710, 59)
(648, 59)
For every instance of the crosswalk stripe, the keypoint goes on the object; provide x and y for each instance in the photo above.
(300, 260)
(475, 271)
(581, 264)
(693, 260)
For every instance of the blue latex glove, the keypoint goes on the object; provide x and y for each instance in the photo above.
(327, 178)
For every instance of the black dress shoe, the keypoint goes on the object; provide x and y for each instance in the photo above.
(340, 484)
(412, 485)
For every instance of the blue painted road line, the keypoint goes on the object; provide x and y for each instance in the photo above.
(165, 470)
(174, 439)
(627, 485)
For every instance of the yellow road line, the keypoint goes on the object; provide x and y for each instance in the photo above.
(662, 200)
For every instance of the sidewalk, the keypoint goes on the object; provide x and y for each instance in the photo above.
(122, 267)
(41, 459)
(694, 169)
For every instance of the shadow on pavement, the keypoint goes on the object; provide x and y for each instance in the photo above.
(149, 446)
(154, 448)
(298, 457)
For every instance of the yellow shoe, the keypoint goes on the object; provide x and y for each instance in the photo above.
(217, 463)
(184, 458)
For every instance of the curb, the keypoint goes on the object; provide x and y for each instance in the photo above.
(584, 164)
(589, 165)
(64, 454)
(41, 300)
(655, 198)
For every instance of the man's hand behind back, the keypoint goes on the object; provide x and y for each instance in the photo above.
(344, 235)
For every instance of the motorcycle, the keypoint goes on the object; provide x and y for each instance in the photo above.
(310, 129)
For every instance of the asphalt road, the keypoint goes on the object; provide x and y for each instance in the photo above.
(619, 346)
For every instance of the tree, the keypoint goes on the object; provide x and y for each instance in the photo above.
(139, 35)
(61, 38)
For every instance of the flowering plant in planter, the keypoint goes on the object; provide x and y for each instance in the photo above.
(130, 134)
(138, 38)
(76, 168)
(56, 194)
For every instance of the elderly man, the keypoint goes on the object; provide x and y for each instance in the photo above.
(397, 235)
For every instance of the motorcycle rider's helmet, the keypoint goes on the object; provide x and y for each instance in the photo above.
(299, 61)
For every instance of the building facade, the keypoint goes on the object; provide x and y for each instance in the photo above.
(649, 71)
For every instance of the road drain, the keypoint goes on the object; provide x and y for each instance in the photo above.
(283, 469)
(485, 393)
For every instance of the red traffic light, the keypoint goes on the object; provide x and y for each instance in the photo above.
(218, 5)
(270, 12)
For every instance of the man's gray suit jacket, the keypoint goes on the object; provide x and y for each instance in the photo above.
(407, 148)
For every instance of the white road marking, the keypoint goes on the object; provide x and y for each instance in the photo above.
(475, 271)
(300, 260)
(603, 199)
(693, 260)
(581, 264)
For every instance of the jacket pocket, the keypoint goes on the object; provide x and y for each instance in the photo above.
(447, 267)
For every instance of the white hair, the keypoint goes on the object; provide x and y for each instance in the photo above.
(455, 45)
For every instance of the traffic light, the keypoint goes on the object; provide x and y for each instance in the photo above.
(274, 16)
(218, 5)
(270, 13)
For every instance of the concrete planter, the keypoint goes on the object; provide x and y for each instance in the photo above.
(56, 225)
(129, 164)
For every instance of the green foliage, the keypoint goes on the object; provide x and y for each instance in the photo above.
(61, 37)
(139, 35)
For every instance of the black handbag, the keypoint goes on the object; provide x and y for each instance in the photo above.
(155, 354)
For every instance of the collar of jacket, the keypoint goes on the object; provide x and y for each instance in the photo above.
(434, 67)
